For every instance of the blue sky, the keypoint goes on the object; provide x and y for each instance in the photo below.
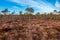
(38, 5)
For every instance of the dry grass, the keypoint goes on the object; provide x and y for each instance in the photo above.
(20, 28)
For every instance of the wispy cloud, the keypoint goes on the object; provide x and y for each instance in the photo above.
(16, 7)
(45, 7)
(57, 4)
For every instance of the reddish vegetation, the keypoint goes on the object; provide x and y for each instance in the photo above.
(25, 29)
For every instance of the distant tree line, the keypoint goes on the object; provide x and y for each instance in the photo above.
(28, 11)
(29, 14)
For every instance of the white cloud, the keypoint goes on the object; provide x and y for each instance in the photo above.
(57, 4)
(22, 2)
(15, 7)
(45, 7)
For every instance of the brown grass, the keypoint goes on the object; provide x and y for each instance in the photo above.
(20, 28)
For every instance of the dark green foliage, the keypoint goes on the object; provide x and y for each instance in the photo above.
(55, 10)
(29, 10)
(20, 12)
(5, 11)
